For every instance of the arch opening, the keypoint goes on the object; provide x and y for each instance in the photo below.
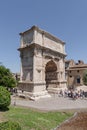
(50, 73)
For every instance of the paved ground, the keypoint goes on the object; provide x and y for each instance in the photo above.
(51, 104)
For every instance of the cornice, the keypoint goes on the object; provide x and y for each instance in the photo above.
(46, 34)
(33, 45)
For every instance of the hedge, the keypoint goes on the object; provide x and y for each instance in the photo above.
(9, 125)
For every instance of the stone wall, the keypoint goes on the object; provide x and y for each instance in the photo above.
(37, 49)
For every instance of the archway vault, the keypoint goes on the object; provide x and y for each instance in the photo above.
(51, 66)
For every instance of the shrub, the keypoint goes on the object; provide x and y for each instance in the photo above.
(85, 77)
(9, 125)
(5, 98)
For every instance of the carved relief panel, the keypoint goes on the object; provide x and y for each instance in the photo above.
(28, 38)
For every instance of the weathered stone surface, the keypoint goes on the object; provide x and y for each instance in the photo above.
(42, 62)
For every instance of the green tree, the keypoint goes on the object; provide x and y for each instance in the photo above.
(85, 77)
(5, 98)
(6, 78)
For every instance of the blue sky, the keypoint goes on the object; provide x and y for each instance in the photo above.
(66, 19)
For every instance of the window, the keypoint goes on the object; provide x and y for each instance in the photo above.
(78, 71)
(70, 76)
(78, 79)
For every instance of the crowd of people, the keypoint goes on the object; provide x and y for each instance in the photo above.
(74, 94)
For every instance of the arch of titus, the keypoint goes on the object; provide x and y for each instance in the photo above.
(42, 64)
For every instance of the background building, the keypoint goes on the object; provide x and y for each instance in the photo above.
(74, 72)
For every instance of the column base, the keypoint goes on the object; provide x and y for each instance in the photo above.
(33, 95)
(33, 91)
(56, 87)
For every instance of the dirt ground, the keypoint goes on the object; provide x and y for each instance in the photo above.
(77, 122)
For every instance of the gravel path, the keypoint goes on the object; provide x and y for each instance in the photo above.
(51, 104)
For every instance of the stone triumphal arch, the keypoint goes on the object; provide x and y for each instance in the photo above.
(42, 63)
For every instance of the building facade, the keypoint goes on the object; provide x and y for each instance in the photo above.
(74, 73)
(42, 63)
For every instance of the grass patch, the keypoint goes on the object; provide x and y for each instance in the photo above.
(32, 120)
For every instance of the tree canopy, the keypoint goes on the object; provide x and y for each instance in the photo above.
(6, 78)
